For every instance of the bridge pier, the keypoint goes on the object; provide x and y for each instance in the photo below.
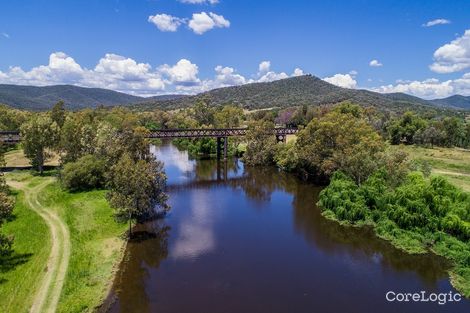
(222, 146)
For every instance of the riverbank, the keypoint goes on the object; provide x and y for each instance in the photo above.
(95, 246)
(451, 163)
(421, 215)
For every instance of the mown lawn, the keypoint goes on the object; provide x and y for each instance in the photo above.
(96, 248)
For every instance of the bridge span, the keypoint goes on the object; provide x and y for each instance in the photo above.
(221, 134)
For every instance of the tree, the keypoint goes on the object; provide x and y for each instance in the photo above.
(136, 189)
(430, 136)
(58, 113)
(39, 134)
(261, 143)
(404, 128)
(228, 117)
(340, 140)
(203, 113)
(6, 209)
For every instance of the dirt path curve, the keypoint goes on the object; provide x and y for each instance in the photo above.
(451, 173)
(47, 296)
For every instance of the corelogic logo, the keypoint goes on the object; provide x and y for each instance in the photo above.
(423, 296)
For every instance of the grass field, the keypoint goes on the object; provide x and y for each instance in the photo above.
(452, 163)
(94, 239)
(21, 273)
(16, 158)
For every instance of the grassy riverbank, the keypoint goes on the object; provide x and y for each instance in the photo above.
(94, 244)
(451, 163)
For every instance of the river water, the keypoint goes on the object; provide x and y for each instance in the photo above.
(246, 240)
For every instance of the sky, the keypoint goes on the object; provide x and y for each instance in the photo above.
(152, 47)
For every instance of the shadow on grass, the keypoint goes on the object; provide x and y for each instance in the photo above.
(10, 262)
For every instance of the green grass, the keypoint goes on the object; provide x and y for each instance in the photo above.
(452, 163)
(21, 273)
(96, 248)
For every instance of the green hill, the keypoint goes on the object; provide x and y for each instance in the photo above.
(456, 101)
(42, 98)
(293, 91)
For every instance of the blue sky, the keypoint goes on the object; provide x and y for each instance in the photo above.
(151, 47)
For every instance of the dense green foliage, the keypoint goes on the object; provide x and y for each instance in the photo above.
(87, 173)
(417, 215)
(6, 208)
(38, 135)
(261, 144)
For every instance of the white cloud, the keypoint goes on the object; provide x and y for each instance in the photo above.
(165, 22)
(430, 88)
(454, 56)
(375, 63)
(182, 73)
(7, 36)
(124, 74)
(298, 72)
(225, 76)
(112, 72)
(203, 22)
(342, 80)
(264, 67)
(200, 1)
(439, 21)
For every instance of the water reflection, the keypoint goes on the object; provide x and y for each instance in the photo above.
(195, 232)
(241, 239)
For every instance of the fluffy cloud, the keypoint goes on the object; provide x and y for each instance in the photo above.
(124, 74)
(454, 56)
(203, 22)
(264, 67)
(375, 63)
(431, 88)
(225, 76)
(182, 73)
(165, 22)
(439, 21)
(112, 72)
(298, 72)
(342, 80)
(200, 1)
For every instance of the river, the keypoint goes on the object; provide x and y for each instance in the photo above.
(249, 240)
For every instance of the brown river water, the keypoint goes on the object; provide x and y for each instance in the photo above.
(249, 240)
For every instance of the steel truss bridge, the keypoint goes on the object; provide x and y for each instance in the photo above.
(222, 134)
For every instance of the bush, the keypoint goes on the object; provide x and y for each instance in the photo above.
(86, 173)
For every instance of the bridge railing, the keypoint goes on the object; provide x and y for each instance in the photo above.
(212, 132)
(15, 137)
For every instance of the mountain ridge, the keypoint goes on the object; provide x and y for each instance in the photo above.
(294, 91)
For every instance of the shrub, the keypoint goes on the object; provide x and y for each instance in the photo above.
(87, 173)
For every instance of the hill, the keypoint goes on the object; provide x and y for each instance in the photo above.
(287, 92)
(456, 101)
(42, 98)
